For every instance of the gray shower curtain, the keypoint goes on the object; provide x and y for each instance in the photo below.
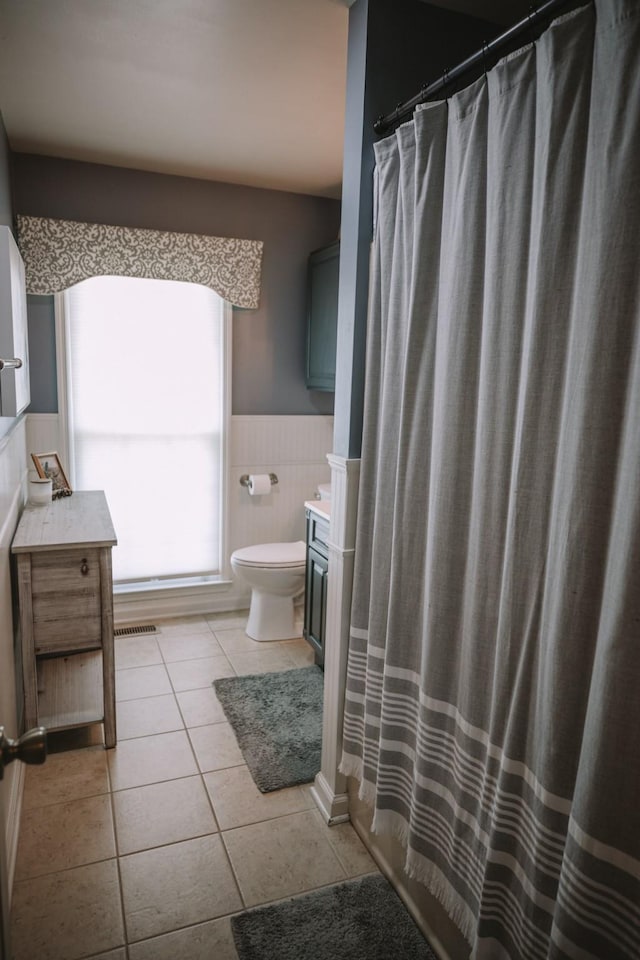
(493, 690)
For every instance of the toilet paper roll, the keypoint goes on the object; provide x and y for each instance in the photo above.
(259, 484)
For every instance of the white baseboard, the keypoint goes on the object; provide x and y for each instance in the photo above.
(144, 605)
(334, 807)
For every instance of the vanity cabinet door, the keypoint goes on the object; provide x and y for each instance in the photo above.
(322, 318)
(316, 602)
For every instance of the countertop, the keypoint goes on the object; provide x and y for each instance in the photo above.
(81, 520)
(321, 507)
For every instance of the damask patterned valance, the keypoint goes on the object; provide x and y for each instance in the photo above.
(60, 253)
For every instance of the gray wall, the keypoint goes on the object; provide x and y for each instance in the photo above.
(395, 46)
(42, 355)
(268, 343)
(6, 218)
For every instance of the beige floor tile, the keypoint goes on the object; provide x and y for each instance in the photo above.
(279, 858)
(229, 620)
(67, 776)
(187, 647)
(235, 640)
(261, 661)
(206, 941)
(120, 954)
(200, 707)
(141, 718)
(194, 674)
(237, 801)
(136, 652)
(162, 813)
(306, 789)
(300, 652)
(67, 915)
(348, 847)
(137, 682)
(166, 756)
(64, 835)
(184, 626)
(215, 747)
(177, 885)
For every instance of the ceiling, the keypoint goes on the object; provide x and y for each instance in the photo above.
(241, 91)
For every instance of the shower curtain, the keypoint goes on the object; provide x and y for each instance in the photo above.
(493, 689)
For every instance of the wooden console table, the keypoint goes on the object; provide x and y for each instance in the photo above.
(65, 588)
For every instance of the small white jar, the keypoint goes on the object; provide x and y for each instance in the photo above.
(40, 491)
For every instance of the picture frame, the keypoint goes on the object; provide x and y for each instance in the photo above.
(49, 468)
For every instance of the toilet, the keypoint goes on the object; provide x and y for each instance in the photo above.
(275, 573)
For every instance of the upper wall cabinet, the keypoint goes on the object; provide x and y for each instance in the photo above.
(14, 352)
(322, 321)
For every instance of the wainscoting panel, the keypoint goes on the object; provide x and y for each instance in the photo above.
(42, 436)
(295, 448)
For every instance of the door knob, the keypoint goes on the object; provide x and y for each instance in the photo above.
(31, 747)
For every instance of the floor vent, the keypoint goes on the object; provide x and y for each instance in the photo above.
(135, 631)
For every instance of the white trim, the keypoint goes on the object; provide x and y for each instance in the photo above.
(172, 601)
(165, 602)
(330, 787)
(227, 341)
(333, 807)
(62, 374)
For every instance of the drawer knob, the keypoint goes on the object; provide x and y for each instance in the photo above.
(84, 568)
(30, 748)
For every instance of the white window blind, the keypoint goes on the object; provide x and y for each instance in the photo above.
(146, 399)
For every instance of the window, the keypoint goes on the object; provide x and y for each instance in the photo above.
(146, 391)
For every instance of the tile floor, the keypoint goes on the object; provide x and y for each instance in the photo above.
(144, 852)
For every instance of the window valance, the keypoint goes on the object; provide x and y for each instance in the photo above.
(60, 253)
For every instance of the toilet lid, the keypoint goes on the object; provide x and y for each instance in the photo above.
(272, 554)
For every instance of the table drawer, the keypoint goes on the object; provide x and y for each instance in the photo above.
(66, 635)
(66, 601)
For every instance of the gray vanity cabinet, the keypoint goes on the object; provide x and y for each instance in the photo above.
(322, 318)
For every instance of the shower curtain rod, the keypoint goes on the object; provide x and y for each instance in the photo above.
(384, 123)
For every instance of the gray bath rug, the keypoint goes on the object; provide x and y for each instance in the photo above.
(362, 919)
(277, 719)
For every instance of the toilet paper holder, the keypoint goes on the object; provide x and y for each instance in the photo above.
(244, 479)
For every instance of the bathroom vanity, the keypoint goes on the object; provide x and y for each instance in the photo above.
(317, 566)
(63, 553)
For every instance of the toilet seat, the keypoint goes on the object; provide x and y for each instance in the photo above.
(279, 556)
(275, 572)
